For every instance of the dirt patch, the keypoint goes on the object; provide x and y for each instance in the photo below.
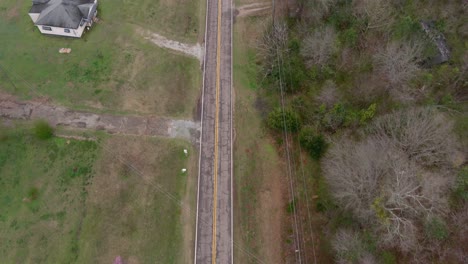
(81, 138)
(13, 13)
(187, 49)
(113, 124)
(271, 215)
(253, 9)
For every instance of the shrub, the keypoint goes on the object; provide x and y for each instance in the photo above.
(406, 27)
(461, 189)
(33, 194)
(291, 206)
(294, 72)
(367, 114)
(43, 130)
(350, 248)
(388, 258)
(337, 117)
(436, 228)
(313, 143)
(279, 120)
(349, 37)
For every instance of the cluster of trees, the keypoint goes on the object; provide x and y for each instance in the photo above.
(385, 125)
(397, 180)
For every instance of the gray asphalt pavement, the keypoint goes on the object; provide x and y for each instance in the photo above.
(214, 237)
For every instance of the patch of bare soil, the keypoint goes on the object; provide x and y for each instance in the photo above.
(13, 12)
(253, 9)
(10, 108)
(187, 49)
(271, 215)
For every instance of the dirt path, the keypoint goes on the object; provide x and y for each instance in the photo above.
(191, 50)
(252, 9)
(10, 108)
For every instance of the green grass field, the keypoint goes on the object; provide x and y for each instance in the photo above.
(112, 68)
(69, 201)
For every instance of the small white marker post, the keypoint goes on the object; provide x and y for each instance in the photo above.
(184, 170)
(185, 152)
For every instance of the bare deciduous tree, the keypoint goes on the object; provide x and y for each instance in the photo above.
(379, 13)
(403, 202)
(329, 94)
(273, 43)
(380, 179)
(318, 47)
(316, 9)
(422, 133)
(349, 248)
(398, 62)
(368, 258)
(353, 172)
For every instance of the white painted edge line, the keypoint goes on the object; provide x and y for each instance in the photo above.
(232, 127)
(201, 132)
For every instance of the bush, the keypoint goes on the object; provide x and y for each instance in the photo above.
(406, 27)
(279, 120)
(349, 37)
(461, 189)
(367, 114)
(43, 130)
(436, 228)
(314, 144)
(291, 206)
(350, 248)
(339, 116)
(33, 194)
(294, 72)
(388, 258)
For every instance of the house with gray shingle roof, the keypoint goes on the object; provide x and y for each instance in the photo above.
(63, 17)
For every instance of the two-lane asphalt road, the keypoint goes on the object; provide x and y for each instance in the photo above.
(214, 238)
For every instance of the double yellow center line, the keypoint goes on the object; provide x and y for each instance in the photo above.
(215, 174)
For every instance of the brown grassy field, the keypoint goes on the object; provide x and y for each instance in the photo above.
(73, 201)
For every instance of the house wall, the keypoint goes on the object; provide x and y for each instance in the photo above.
(58, 31)
(34, 16)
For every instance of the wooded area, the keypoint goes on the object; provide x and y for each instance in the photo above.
(385, 119)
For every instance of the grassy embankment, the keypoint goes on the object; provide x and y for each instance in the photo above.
(259, 199)
(70, 201)
(112, 68)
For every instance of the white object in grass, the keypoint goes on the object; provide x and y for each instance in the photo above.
(185, 152)
(184, 170)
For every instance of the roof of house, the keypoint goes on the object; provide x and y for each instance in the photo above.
(62, 13)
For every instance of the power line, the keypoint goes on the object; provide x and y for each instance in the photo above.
(309, 218)
(293, 177)
(285, 135)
